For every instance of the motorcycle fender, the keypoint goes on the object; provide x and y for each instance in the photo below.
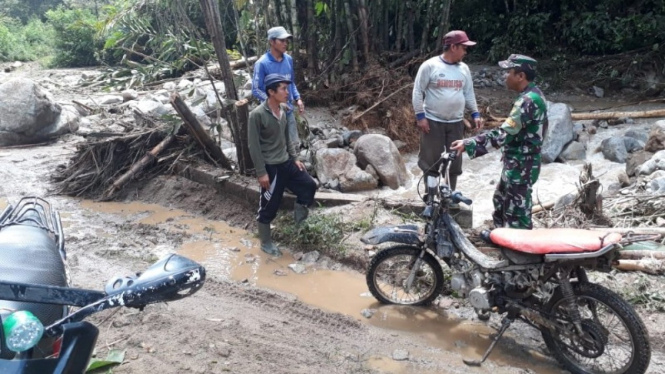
(405, 234)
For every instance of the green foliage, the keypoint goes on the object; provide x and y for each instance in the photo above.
(76, 42)
(322, 232)
(24, 43)
(25, 10)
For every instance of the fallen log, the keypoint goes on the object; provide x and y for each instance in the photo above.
(379, 102)
(243, 62)
(537, 208)
(137, 167)
(636, 230)
(650, 267)
(609, 115)
(638, 255)
(197, 132)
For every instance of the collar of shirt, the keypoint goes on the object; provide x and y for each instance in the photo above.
(267, 107)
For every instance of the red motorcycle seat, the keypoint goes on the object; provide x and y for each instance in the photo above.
(546, 241)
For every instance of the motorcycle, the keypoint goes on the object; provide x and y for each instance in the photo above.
(537, 276)
(40, 331)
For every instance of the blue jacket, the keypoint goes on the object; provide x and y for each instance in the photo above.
(268, 65)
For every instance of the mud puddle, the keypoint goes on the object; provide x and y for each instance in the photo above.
(232, 253)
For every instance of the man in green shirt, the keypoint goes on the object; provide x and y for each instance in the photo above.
(276, 169)
(521, 138)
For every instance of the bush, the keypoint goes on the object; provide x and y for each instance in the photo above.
(24, 43)
(76, 41)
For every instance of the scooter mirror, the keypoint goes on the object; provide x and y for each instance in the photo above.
(171, 278)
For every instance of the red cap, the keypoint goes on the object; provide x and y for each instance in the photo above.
(457, 37)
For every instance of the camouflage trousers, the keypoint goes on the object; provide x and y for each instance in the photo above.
(512, 205)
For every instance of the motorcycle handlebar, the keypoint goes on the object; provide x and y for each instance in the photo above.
(458, 197)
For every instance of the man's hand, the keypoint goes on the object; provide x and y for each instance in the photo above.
(458, 145)
(264, 181)
(300, 165)
(301, 106)
(423, 125)
(479, 122)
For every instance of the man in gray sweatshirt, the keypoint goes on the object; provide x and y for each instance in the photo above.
(442, 90)
(277, 166)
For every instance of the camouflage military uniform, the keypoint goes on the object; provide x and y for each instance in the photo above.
(521, 137)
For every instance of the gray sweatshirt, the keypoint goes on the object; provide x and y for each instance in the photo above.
(442, 90)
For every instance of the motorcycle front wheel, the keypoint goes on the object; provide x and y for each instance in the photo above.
(616, 340)
(392, 279)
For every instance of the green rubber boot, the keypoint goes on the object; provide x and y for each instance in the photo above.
(300, 213)
(267, 245)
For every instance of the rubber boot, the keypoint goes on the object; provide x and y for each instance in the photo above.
(267, 245)
(300, 213)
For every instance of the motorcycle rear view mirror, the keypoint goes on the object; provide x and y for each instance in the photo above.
(171, 278)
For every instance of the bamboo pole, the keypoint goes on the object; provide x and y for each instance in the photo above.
(639, 265)
(609, 115)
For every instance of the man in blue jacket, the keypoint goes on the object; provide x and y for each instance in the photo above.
(276, 61)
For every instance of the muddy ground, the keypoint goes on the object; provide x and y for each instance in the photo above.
(254, 315)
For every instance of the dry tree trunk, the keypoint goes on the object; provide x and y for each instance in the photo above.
(608, 115)
(590, 200)
(352, 34)
(364, 27)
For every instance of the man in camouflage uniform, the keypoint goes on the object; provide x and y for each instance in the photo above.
(521, 137)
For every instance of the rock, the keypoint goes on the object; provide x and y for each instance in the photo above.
(334, 142)
(640, 135)
(656, 162)
(351, 136)
(371, 171)
(565, 200)
(614, 149)
(592, 130)
(357, 179)
(67, 123)
(280, 273)
(298, 256)
(560, 131)
(656, 141)
(169, 86)
(597, 91)
(201, 116)
(246, 242)
(310, 257)
(380, 152)
(399, 144)
(298, 268)
(635, 160)
(129, 95)
(368, 313)
(657, 185)
(632, 144)
(151, 107)
(110, 100)
(332, 164)
(400, 355)
(184, 84)
(660, 221)
(624, 180)
(573, 151)
(28, 114)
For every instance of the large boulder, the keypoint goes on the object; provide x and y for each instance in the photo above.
(657, 162)
(573, 151)
(380, 152)
(560, 132)
(636, 160)
(337, 168)
(614, 149)
(656, 141)
(26, 113)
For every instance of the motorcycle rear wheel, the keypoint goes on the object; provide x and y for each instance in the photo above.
(624, 327)
(390, 269)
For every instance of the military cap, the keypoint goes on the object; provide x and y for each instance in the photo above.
(519, 61)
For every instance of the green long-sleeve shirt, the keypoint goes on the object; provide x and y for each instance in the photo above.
(267, 138)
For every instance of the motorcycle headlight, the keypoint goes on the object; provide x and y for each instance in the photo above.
(22, 330)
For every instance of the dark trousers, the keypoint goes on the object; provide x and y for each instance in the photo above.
(432, 144)
(285, 175)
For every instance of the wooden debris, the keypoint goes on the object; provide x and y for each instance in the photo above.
(609, 115)
(638, 255)
(654, 267)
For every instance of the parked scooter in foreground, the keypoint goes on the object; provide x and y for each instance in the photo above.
(39, 334)
(537, 276)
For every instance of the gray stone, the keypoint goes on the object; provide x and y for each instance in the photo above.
(655, 163)
(640, 135)
(357, 179)
(614, 149)
(657, 185)
(636, 160)
(169, 86)
(560, 131)
(368, 313)
(380, 152)
(351, 136)
(333, 163)
(565, 200)
(656, 141)
(110, 100)
(573, 151)
(151, 107)
(310, 257)
(400, 355)
(129, 95)
(298, 268)
(632, 144)
(184, 83)
(624, 180)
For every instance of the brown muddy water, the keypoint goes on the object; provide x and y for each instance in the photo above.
(233, 253)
